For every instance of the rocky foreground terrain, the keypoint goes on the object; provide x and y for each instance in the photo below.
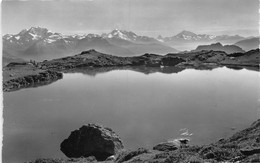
(95, 140)
(31, 74)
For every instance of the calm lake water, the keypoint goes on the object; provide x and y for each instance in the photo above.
(144, 109)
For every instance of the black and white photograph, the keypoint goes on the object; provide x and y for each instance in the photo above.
(130, 81)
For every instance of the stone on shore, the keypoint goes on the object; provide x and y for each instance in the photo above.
(92, 140)
(250, 151)
(233, 149)
(166, 146)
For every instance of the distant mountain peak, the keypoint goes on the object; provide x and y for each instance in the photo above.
(38, 31)
(37, 28)
(121, 34)
(189, 37)
(116, 30)
(91, 35)
(187, 33)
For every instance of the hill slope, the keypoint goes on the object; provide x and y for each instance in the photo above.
(248, 44)
(219, 47)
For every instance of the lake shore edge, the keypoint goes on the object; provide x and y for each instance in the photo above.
(32, 74)
(243, 146)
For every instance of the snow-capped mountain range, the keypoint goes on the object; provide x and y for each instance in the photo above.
(38, 33)
(33, 34)
(128, 35)
(187, 40)
(190, 36)
(40, 43)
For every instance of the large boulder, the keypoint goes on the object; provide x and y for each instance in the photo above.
(92, 140)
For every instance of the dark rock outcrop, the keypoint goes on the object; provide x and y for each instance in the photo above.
(208, 59)
(92, 140)
(250, 58)
(171, 61)
(22, 75)
(205, 59)
(250, 151)
(127, 155)
(166, 146)
(12, 64)
(92, 58)
(42, 78)
(18, 75)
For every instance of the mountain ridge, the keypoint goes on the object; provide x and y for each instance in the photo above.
(249, 43)
(229, 49)
(40, 43)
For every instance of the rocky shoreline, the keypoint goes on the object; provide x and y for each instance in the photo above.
(94, 59)
(243, 146)
(23, 75)
(31, 74)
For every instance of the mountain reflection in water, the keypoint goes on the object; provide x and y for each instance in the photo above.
(142, 69)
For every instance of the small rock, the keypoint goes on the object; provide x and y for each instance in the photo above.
(128, 155)
(184, 141)
(249, 151)
(257, 139)
(91, 159)
(221, 140)
(111, 158)
(166, 146)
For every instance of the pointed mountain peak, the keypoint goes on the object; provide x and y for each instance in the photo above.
(122, 34)
(117, 31)
(187, 33)
(38, 30)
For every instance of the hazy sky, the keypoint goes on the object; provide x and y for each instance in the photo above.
(144, 17)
